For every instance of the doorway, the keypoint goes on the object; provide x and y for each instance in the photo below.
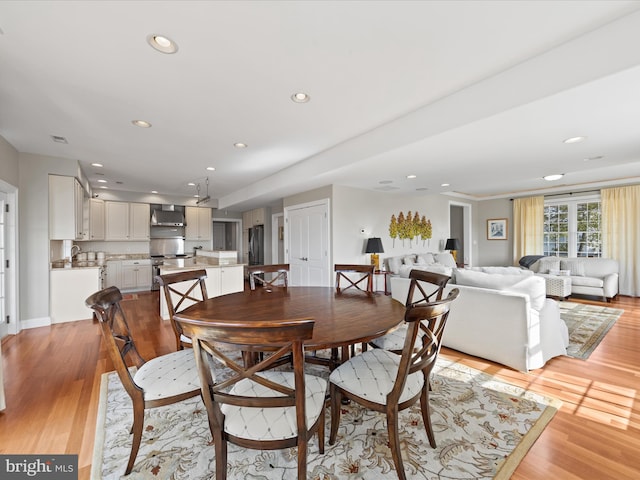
(226, 235)
(460, 227)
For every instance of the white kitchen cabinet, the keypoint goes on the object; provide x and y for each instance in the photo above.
(135, 275)
(66, 209)
(114, 273)
(231, 279)
(68, 290)
(219, 281)
(199, 224)
(253, 217)
(126, 221)
(96, 219)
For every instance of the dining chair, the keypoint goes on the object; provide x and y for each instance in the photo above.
(425, 287)
(161, 381)
(279, 274)
(181, 290)
(385, 382)
(359, 277)
(254, 406)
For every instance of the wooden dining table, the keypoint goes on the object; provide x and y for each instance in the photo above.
(341, 319)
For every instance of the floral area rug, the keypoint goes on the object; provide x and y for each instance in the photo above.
(483, 427)
(588, 325)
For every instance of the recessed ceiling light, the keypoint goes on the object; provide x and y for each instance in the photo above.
(102, 181)
(555, 176)
(58, 139)
(99, 165)
(574, 139)
(385, 182)
(211, 169)
(154, 191)
(599, 157)
(411, 176)
(445, 184)
(300, 97)
(104, 186)
(191, 184)
(240, 145)
(162, 44)
(421, 189)
(141, 123)
(197, 196)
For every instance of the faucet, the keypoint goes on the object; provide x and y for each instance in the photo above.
(75, 246)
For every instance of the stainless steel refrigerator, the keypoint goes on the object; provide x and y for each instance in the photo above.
(256, 245)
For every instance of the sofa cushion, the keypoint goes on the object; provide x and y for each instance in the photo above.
(530, 285)
(507, 270)
(575, 266)
(548, 263)
(587, 282)
(409, 259)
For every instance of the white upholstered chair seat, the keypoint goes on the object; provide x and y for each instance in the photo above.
(272, 423)
(185, 339)
(168, 375)
(394, 340)
(372, 374)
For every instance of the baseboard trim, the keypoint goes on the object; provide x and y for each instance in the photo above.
(35, 323)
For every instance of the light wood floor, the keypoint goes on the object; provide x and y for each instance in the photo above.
(52, 381)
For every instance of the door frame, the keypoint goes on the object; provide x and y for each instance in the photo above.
(325, 202)
(11, 254)
(274, 237)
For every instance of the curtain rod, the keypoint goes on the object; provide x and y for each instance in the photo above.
(566, 193)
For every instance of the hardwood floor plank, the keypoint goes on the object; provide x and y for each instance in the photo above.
(52, 381)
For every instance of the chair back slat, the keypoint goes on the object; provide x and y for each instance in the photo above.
(427, 321)
(279, 275)
(359, 277)
(117, 335)
(425, 287)
(181, 290)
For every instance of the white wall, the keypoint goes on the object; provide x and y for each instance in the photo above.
(354, 209)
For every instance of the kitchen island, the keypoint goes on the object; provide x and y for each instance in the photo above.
(221, 279)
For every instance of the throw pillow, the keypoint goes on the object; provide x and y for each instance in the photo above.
(575, 266)
(427, 257)
(420, 260)
(408, 260)
(548, 263)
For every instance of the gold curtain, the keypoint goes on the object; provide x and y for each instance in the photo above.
(528, 227)
(621, 234)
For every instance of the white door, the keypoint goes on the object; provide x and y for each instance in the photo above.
(3, 259)
(307, 244)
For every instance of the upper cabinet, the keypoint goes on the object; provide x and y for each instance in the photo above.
(96, 219)
(126, 221)
(253, 217)
(199, 224)
(67, 200)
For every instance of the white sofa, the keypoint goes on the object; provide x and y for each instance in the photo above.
(511, 322)
(437, 262)
(589, 275)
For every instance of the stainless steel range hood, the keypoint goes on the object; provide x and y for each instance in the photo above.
(167, 218)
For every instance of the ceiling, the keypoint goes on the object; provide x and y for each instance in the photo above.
(475, 94)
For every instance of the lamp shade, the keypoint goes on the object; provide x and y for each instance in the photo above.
(374, 245)
(452, 244)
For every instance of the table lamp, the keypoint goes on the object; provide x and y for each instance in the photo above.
(374, 247)
(453, 244)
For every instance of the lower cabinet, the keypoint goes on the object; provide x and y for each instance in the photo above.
(129, 275)
(68, 290)
(220, 281)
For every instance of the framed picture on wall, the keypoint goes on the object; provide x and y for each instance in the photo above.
(497, 229)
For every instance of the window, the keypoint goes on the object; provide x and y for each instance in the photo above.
(572, 228)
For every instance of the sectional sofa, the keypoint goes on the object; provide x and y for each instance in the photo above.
(502, 315)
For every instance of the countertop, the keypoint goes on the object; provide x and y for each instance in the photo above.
(176, 264)
(98, 264)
